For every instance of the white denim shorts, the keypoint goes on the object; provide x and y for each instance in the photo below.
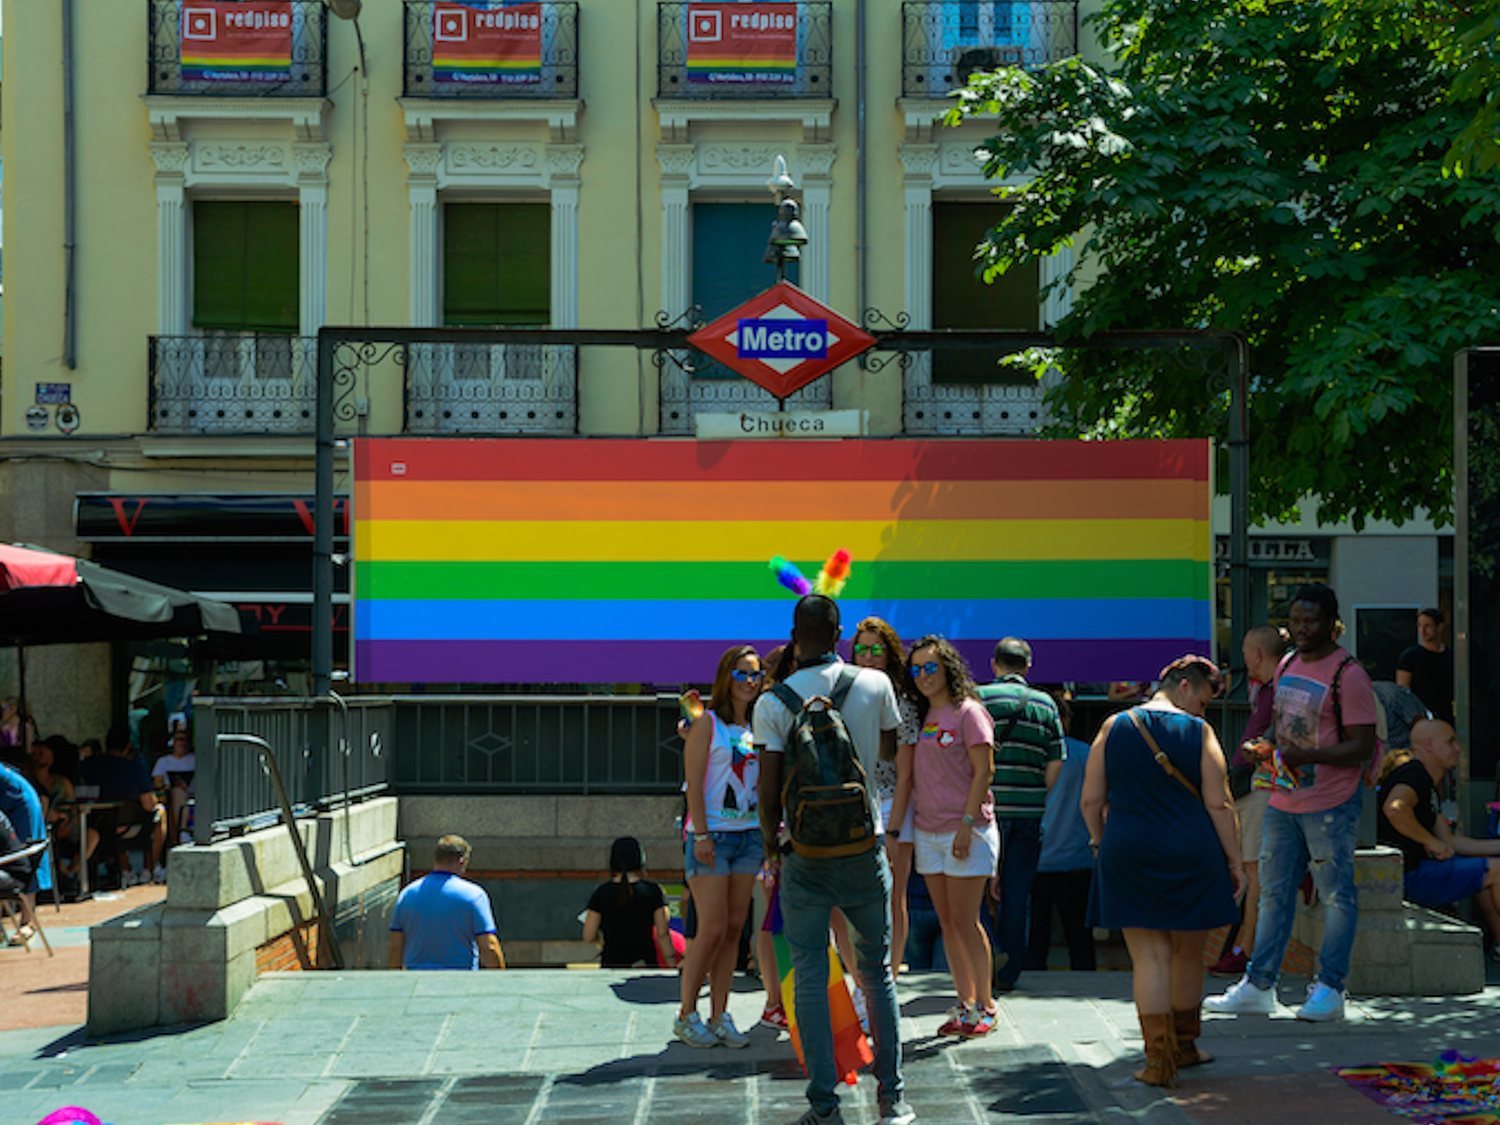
(935, 853)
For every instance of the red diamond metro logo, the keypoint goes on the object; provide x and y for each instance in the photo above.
(782, 339)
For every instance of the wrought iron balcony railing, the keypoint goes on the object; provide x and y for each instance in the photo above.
(744, 50)
(276, 50)
(491, 389)
(233, 383)
(684, 396)
(944, 41)
(468, 51)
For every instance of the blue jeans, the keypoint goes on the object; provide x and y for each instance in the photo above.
(1020, 851)
(1290, 844)
(860, 886)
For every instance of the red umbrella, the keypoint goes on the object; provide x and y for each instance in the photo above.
(30, 566)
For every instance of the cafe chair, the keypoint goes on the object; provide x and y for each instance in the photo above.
(10, 901)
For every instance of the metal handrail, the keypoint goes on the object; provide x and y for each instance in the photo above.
(273, 771)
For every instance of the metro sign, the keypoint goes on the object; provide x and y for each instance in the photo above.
(782, 339)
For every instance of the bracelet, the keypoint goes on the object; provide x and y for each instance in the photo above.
(967, 819)
(699, 837)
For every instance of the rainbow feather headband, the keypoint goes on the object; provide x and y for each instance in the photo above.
(830, 580)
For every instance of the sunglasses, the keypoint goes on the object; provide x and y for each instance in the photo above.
(869, 650)
(928, 669)
(743, 677)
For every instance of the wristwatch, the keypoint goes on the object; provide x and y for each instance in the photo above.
(893, 833)
(967, 819)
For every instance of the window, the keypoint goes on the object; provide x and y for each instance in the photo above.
(961, 299)
(729, 247)
(497, 264)
(246, 269)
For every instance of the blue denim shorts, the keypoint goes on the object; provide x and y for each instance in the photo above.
(1438, 882)
(735, 853)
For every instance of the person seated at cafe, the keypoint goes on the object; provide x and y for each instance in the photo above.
(21, 805)
(173, 774)
(1441, 868)
(135, 818)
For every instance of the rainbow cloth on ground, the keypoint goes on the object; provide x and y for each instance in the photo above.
(851, 1050)
(627, 560)
(1455, 1090)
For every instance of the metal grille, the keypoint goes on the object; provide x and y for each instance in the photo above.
(944, 41)
(241, 383)
(556, 75)
(306, 75)
(326, 754)
(968, 410)
(677, 77)
(684, 397)
(491, 389)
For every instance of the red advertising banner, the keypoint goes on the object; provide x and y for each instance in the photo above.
(481, 42)
(236, 41)
(742, 43)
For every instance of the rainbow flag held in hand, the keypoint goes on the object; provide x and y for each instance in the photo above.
(851, 1050)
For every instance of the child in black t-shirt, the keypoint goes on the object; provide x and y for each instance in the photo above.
(630, 912)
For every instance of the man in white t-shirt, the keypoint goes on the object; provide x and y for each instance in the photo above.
(859, 885)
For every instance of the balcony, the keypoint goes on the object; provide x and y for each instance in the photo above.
(199, 50)
(736, 50)
(944, 41)
(491, 389)
(456, 51)
(258, 383)
(233, 383)
(684, 396)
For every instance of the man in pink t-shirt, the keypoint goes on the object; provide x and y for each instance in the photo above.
(1324, 728)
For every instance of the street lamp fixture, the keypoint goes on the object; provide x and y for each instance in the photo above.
(788, 235)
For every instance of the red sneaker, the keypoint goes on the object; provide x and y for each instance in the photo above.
(954, 1024)
(1232, 964)
(982, 1024)
(774, 1017)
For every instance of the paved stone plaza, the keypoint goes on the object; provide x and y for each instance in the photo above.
(381, 1048)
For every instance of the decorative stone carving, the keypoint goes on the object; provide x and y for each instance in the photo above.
(171, 157)
(492, 157)
(736, 158)
(312, 160)
(676, 160)
(423, 160)
(564, 160)
(919, 160)
(962, 161)
(815, 160)
(240, 157)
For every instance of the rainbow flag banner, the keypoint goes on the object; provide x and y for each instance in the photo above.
(641, 560)
(742, 43)
(851, 1047)
(477, 42)
(236, 41)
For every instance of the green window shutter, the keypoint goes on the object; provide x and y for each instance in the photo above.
(961, 299)
(729, 245)
(246, 266)
(497, 264)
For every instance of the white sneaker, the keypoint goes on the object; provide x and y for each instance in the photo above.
(1322, 1004)
(159, 875)
(1243, 999)
(129, 879)
(726, 1033)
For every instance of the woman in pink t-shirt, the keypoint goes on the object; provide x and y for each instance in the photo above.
(957, 843)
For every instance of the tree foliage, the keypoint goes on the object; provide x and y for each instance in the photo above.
(1279, 168)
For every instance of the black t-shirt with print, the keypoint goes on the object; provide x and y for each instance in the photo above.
(1415, 775)
(1431, 678)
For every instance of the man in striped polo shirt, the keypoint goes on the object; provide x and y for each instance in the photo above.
(1028, 757)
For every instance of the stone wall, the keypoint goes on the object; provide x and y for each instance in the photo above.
(239, 907)
(540, 858)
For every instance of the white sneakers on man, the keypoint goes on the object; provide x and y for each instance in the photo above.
(1243, 999)
(1322, 1004)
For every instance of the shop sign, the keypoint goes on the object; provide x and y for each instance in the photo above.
(1273, 551)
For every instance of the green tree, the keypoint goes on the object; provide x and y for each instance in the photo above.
(1276, 168)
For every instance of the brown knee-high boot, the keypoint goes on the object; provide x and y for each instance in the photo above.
(1188, 1025)
(1161, 1054)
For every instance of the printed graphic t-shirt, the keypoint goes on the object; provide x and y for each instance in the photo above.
(942, 772)
(732, 779)
(1304, 718)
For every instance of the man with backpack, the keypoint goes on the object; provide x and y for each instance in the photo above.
(1324, 727)
(819, 734)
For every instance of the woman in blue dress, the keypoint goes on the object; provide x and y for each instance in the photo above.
(1159, 813)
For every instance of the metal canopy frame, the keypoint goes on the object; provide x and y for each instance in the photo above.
(343, 351)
